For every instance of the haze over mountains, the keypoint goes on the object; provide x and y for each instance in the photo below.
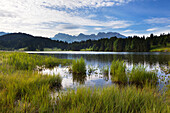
(82, 37)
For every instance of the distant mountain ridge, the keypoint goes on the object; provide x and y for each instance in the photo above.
(3, 33)
(83, 37)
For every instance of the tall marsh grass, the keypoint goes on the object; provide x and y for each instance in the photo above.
(79, 66)
(24, 61)
(118, 73)
(27, 92)
(112, 100)
(139, 75)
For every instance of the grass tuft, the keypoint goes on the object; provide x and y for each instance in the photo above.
(118, 73)
(79, 66)
(139, 75)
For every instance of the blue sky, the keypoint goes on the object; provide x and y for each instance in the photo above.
(49, 17)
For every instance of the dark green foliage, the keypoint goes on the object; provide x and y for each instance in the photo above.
(16, 41)
(105, 70)
(130, 44)
(20, 41)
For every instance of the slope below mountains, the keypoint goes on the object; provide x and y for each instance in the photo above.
(21, 40)
(83, 37)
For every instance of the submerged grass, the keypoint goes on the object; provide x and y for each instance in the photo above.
(118, 73)
(105, 70)
(79, 66)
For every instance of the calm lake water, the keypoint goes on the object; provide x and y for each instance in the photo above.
(97, 60)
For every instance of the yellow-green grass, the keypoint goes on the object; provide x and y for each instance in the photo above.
(79, 66)
(27, 92)
(139, 75)
(161, 49)
(24, 61)
(118, 74)
(113, 100)
(52, 49)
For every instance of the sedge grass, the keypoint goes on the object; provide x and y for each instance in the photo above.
(112, 100)
(118, 74)
(23, 91)
(139, 75)
(79, 66)
(24, 61)
(27, 91)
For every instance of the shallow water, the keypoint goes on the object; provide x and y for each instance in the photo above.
(97, 60)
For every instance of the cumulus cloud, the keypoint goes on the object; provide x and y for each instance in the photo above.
(48, 17)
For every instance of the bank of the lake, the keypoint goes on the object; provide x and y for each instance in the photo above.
(23, 88)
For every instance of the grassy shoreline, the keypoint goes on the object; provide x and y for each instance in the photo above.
(161, 49)
(23, 89)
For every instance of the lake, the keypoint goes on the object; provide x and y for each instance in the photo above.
(98, 60)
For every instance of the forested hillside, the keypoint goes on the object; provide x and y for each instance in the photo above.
(130, 44)
(17, 41)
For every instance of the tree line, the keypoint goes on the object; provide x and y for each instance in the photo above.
(16, 41)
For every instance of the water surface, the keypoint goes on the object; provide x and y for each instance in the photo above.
(97, 60)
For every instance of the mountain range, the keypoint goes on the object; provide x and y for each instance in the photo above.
(82, 37)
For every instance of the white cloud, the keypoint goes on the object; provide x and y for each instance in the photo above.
(168, 26)
(152, 29)
(98, 28)
(127, 31)
(33, 16)
(72, 4)
(158, 21)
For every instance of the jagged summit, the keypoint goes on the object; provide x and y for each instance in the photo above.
(83, 37)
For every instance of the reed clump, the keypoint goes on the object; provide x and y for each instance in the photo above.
(118, 72)
(139, 75)
(105, 70)
(79, 66)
